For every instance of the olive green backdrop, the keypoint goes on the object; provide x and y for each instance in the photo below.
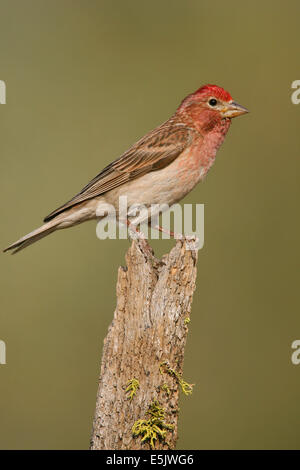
(84, 80)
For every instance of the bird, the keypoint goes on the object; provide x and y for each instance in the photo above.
(160, 168)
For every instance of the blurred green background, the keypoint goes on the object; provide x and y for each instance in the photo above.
(84, 80)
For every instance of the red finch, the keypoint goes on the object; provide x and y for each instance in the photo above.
(161, 168)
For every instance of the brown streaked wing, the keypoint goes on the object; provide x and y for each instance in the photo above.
(153, 152)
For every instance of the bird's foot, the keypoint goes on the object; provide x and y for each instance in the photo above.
(192, 242)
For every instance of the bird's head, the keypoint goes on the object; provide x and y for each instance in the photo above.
(209, 105)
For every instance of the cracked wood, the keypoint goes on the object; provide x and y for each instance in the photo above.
(154, 299)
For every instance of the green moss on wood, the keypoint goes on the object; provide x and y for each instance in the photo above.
(132, 386)
(166, 389)
(153, 428)
(186, 387)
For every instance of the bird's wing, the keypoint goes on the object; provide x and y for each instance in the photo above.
(153, 152)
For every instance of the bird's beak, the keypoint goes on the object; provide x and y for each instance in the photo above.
(233, 109)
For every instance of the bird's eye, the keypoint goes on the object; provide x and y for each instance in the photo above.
(212, 102)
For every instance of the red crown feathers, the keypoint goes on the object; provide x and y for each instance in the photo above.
(215, 91)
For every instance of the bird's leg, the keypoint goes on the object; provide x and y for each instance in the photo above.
(191, 241)
(169, 232)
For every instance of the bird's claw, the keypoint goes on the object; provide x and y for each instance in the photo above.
(191, 242)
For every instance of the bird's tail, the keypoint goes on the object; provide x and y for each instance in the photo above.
(33, 237)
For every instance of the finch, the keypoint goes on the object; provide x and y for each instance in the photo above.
(160, 168)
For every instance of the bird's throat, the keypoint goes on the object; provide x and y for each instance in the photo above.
(203, 153)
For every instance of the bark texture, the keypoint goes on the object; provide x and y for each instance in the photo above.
(145, 342)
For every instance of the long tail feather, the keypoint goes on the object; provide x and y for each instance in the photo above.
(32, 237)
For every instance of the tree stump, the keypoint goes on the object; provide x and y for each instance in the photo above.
(143, 353)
